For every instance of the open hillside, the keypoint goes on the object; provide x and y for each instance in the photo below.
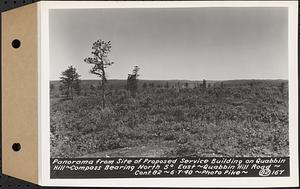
(171, 118)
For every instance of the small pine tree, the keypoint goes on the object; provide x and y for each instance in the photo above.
(69, 81)
(204, 84)
(132, 81)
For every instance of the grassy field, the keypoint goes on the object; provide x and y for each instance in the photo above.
(235, 118)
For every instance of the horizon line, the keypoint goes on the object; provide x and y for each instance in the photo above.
(185, 79)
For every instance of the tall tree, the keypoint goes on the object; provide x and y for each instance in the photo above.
(100, 62)
(69, 81)
(132, 81)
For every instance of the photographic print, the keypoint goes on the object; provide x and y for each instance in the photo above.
(169, 90)
(169, 82)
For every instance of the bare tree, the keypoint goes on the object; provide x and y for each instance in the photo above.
(100, 62)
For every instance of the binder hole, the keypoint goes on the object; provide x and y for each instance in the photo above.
(16, 147)
(16, 43)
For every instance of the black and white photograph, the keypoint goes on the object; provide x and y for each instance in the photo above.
(169, 82)
(183, 94)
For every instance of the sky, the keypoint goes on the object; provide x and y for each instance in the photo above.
(174, 43)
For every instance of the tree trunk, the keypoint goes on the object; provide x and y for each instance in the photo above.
(103, 93)
(68, 92)
(71, 89)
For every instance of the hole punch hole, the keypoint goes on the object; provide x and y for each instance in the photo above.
(16, 147)
(16, 43)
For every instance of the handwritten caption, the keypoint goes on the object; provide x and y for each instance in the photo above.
(169, 167)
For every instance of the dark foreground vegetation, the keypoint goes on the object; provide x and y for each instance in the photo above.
(230, 118)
